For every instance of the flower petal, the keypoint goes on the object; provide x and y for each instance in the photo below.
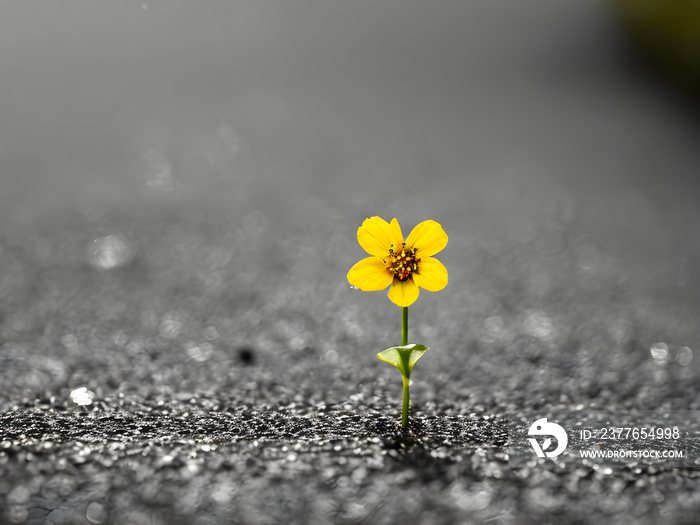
(396, 232)
(370, 275)
(431, 274)
(376, 236)
(427, 238)
(403, 293)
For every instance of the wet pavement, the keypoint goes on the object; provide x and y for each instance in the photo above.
(178, 341)
(196, 461)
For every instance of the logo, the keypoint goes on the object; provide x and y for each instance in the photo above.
(542, 427)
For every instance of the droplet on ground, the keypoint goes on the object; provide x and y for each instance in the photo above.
(110, 252)
(684, 356)
(96, 513)
(659, 352)
(539, 324)
(82, 396)
(200, 352)
(170, 327)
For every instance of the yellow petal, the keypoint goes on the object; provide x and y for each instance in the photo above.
(370, 275)
(376, 236)
(431, 274)
(403, 293)
(427, 238)
(396, 232)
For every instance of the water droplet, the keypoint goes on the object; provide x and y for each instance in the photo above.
(684, 356)
(82, 396)
(211, 333)
(112, 251)
(493, 329)
(539, 324)
(120, 338)
(493, 324)
(331, 356)
(659, 352)
(170, 327)
(96, 513)
(201, 352)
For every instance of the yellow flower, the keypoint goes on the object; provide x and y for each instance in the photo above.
(405, 265)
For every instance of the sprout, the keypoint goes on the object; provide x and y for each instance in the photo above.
(406, 266)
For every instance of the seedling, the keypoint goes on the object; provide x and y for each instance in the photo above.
(406, 266)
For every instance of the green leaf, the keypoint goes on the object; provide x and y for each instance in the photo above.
(403, 357)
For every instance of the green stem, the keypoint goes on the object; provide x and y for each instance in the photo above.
(404, 326)
(404, 342)
(406, 400)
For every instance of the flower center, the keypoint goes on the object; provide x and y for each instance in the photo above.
(402, 262)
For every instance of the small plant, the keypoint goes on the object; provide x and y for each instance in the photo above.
(406, 266)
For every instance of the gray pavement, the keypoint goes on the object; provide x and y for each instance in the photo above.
(180, 188)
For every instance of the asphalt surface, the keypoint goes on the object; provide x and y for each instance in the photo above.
(180, 189)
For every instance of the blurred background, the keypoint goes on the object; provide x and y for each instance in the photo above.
(181, 184)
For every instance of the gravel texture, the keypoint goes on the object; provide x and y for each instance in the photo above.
(195, 461)
(260, 403)
(181, 256)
